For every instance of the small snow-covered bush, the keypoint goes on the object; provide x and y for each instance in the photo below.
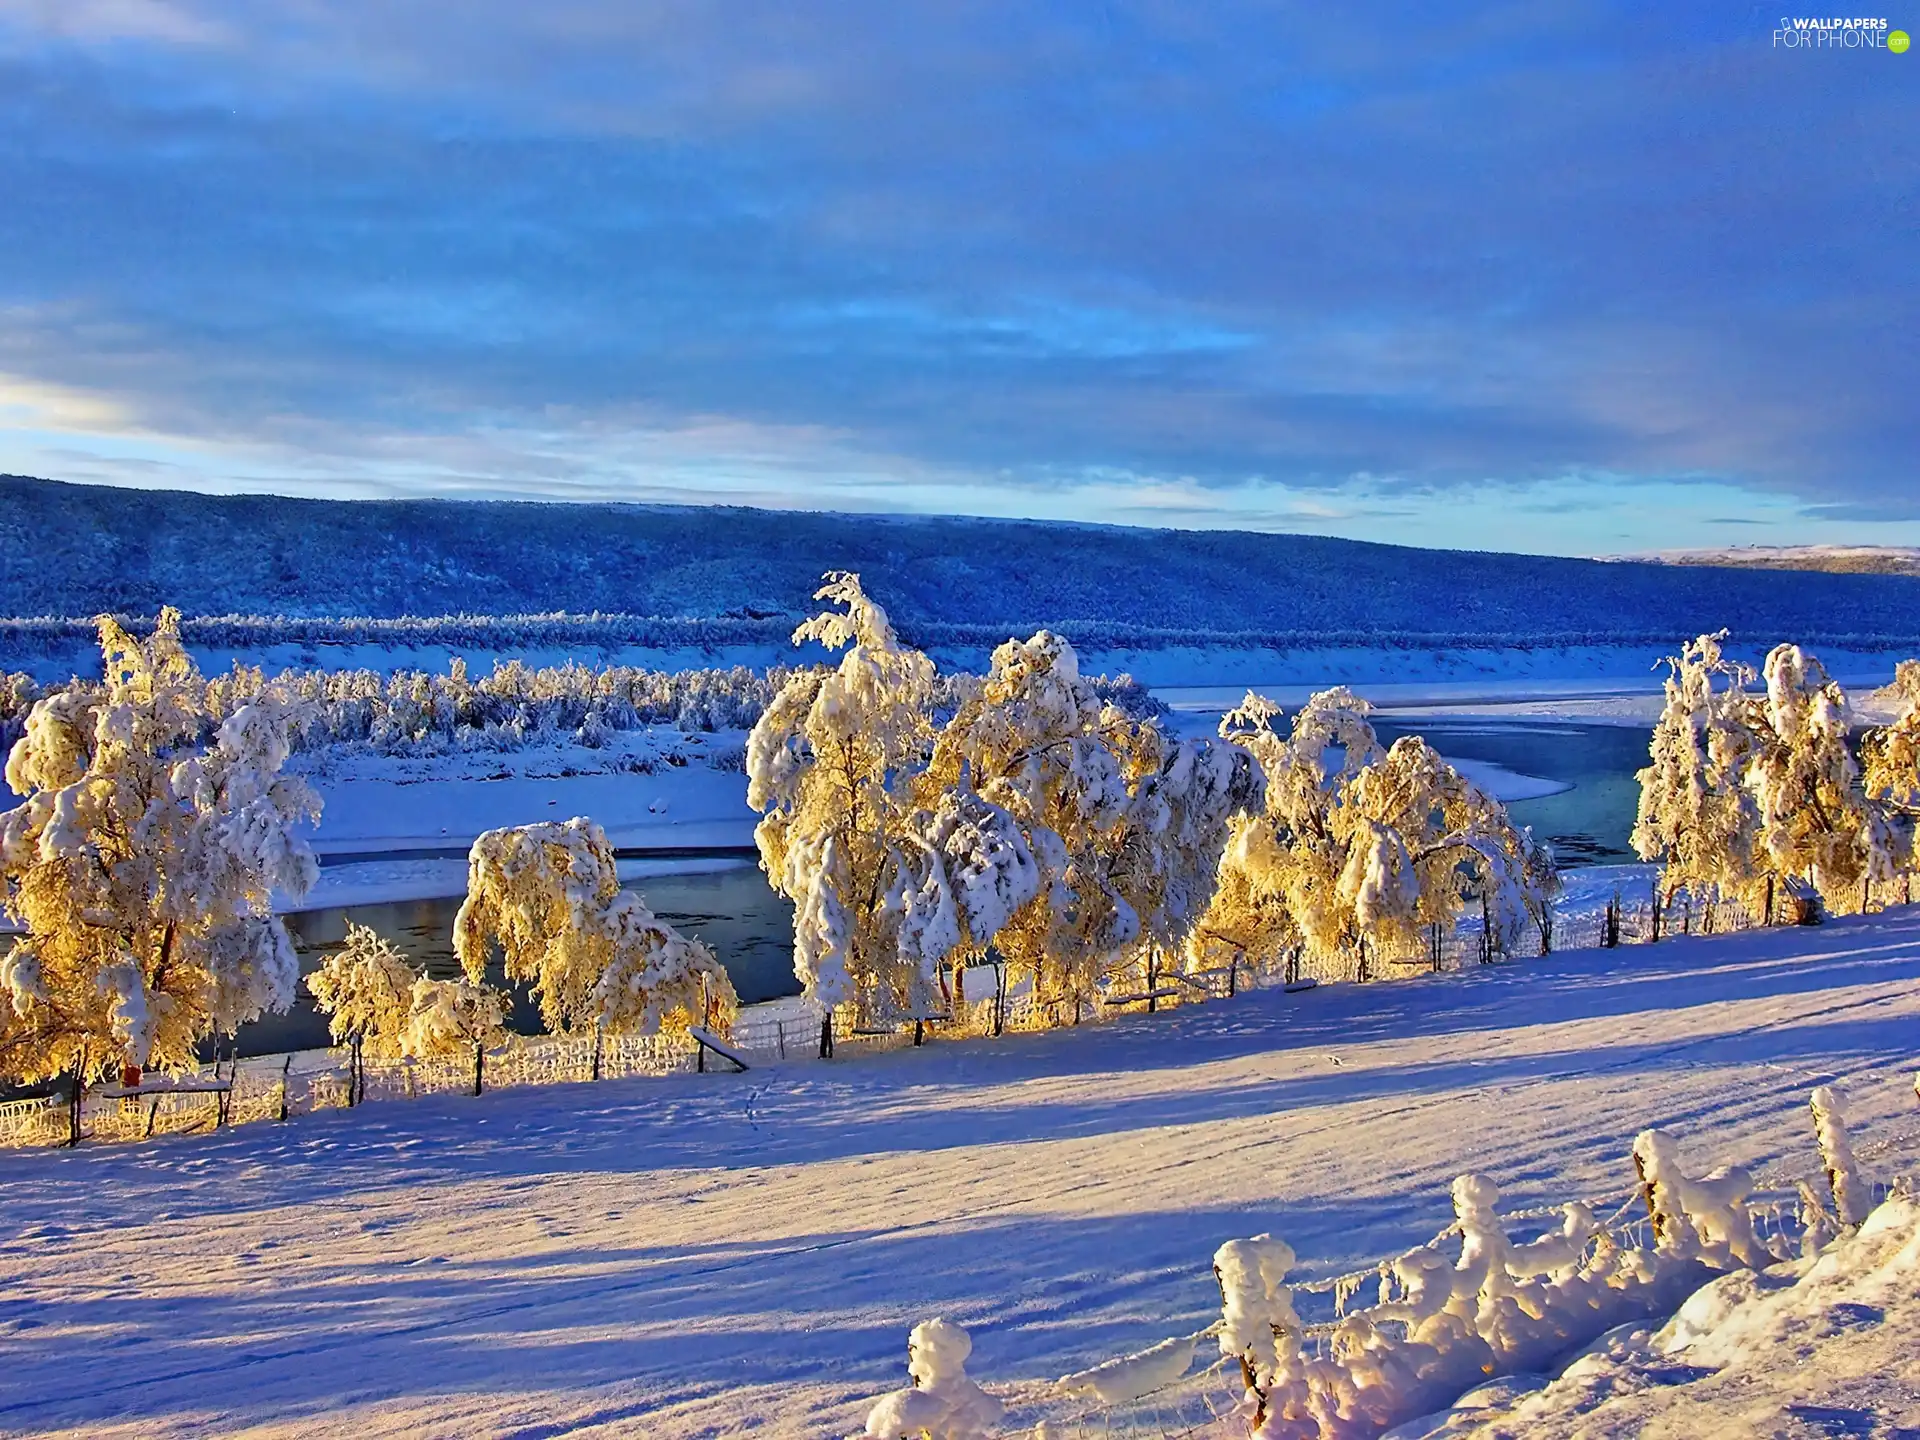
(942, 1403)
(447, 1018)
(365, 989)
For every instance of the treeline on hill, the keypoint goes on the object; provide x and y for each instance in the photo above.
(727, 575)
(62, 640)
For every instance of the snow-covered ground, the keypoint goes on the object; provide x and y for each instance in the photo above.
(378, 803)
(709, 1254)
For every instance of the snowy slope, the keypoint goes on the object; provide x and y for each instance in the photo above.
(723, 576)
(710, 1254)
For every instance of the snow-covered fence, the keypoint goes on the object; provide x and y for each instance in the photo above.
(1297, 1360)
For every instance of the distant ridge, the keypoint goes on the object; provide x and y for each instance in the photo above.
(1834, 559)
(73, 551)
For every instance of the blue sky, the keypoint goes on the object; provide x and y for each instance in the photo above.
(1574, 278)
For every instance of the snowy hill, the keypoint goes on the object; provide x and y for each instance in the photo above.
(736, 576)
(1833, 559)
(710, 1254)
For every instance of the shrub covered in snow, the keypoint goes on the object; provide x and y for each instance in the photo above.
(942, 1403)
(447, 1019)
(365, 989)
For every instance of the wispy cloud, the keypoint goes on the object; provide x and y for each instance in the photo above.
(1248, 264)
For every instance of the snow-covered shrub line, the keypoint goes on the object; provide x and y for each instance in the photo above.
(54, 636)
(1468, 1305)
(419, 713)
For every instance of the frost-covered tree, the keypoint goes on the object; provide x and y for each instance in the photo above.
(365, 989)
(1361, 849)
(1890, 765)
(1890, 754)
(448, 1018)
(1038, 740)
(597, 958)
(825, 768)
(890, 872)
(1815, 818)
(141, 865)
(1698, 816)
(1166, 855)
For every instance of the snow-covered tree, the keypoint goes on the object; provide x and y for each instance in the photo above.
(1166, 854)
(825, 764)
(1698, 816)
(141, 865)
(1890, 754)
(597, 958)
(890, 872)
(1815, 819)
(1360, 849)
(448, 1018)
(1037, 740)
(365, 989)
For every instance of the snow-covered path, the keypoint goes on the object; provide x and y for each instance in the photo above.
(699, 1255)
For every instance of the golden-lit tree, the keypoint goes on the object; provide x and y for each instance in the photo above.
(597, 958)
(141, 865)
(1361, 850)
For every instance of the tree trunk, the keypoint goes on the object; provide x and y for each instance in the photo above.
(286, 1071)
(356, 1087)
(1768, 920)
(826, 1036)
(1153, 978)
(77, 1096)
(1233, 974)
(597, 1032)
(479, 1065)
